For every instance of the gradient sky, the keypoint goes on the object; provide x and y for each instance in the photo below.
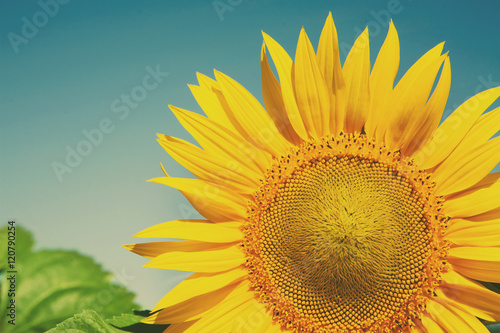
(69, 75)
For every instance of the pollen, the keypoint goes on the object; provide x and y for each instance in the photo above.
(345, 235)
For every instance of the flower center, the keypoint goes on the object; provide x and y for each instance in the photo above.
(343, 235)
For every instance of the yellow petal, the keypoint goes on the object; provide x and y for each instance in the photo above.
(273, 100)
(207, 82)
(463, 169)
(274, 328)
(430, 326)
(457, 224)
(356, 72)
(487, 181)
(284, 65)
(213, 102)
(148, 250)
(199, 284)
(329, 64)
(203, 261)
(210, 98)
(472, 294)
(416, 328)
(154, 249)
(482, 263)
(218, 139)
(469, 309)
(208, 196)
(484, 128)
(473, 324)
(211, 210)
(452, 319)
(446, 138)
(477, 270)
(253, 319)
(228, 313)
(491, 254)
(407, 103)
(192, 308)
(467, 233)
(310, 89)
(221, 170)
(490, 215)
(434, 110)
(250, 118)
(199, 230)
(382, 79)
(266, 326)
(179, 327)
(478, 199)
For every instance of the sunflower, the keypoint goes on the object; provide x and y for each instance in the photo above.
(343, 205)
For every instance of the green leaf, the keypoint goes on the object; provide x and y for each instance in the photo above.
(53, 285)
(125, 320)
(87, 322)
(131, 323)
(57, 284)
(90, 322)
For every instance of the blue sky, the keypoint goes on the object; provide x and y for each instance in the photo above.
(69, 75)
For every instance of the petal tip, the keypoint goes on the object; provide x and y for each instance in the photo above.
(163, 169)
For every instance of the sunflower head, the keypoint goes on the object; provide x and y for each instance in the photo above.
(356, 227)
(341, 205)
